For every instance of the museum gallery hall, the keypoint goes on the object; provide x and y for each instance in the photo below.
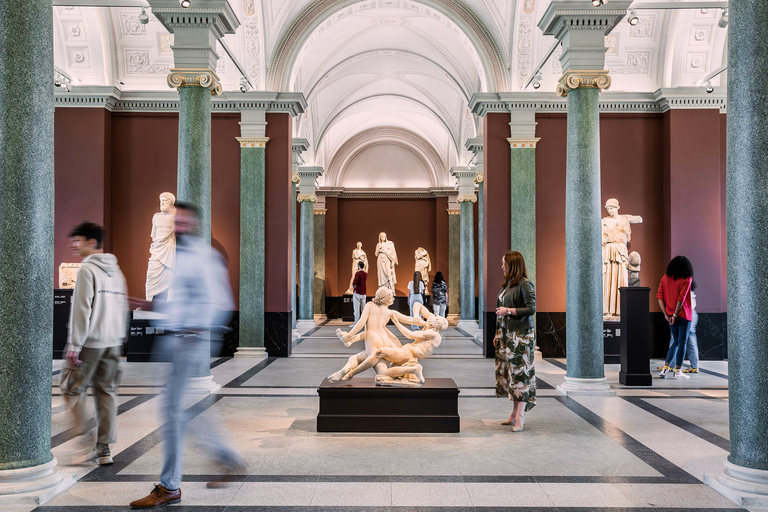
(406, 255)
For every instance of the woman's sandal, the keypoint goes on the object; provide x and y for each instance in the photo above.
(519, 427)
(508, 422)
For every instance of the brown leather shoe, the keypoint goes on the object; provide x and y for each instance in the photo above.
(158, 497)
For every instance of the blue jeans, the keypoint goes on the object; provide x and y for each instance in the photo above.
(692, 347)
(413, 299)
(187, 354)
(679, 330)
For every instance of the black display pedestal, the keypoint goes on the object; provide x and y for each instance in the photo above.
(635, 337)
(358, 405)
(62, 304)
(612, 342)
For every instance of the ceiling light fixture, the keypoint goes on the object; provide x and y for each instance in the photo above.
(244, 85)
(632, 19)
(709, 88)
(598, 3)
(184, 3)
(723, 21)
(537, 80)
(143, 18)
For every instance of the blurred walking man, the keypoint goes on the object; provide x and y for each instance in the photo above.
(98, 325)
(201, 303)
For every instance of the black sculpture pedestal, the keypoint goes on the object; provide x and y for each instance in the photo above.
(635, 337)
(358, 405)
(612, 341)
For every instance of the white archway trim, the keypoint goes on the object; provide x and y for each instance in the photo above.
(435, 167)
(293, 40)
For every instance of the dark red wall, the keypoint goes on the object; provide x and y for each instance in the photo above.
(409, 223)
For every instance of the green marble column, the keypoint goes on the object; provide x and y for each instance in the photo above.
(319, 263)
(523, 203)
(467, 235)
(252, 246)
(194, 168)
(26, 240)
(294, 310)
(745, 477)
(454, 262)
(306, 260)
(480, 250)
(583, 258)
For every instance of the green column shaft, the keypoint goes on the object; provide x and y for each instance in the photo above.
(467, 261)
(747, 230)
(194, 171)
(319, 264)
(306, 261)
(454, 263)
(252, 247)
(583, 257)
(523, 206)
(293, 257)
(480, 254)
(26, 232)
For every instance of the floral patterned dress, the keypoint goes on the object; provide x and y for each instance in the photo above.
(515, 353)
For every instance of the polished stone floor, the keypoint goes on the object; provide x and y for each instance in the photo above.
(642, 449)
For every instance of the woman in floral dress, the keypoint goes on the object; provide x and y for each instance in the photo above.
(514, 340)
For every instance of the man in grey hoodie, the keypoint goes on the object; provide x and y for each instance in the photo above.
(98, 325)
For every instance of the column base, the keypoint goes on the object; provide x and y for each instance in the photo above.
(295, 334)
(33, 486)
(304, 326)
(251, 352)
(205, 385)
(746, 487)
(575, 386)
(468, 326)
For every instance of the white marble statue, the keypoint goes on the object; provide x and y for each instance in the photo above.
(162, 252)
(617, 233)
(376, 314)
(386, 261)
(423, 265)
(358, 255)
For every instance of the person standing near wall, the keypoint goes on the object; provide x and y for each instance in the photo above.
(98, 325)
(415, 294)
(439, 295)
(359, 290)
(674, 298)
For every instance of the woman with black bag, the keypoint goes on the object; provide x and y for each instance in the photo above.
(515, 341)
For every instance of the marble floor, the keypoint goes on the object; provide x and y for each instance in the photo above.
(642, 449)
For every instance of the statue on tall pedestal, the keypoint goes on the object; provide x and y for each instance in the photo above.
(386, 261)
(617, 233)
(423, 265)
(358, 255)
(162, 252)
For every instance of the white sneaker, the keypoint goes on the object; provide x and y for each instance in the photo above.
(680, 375)
(663, 372)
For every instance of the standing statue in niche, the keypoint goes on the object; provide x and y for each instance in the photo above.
(162, 252)
(358, 255)
(386, 261)
(617, 232)
(423, 265)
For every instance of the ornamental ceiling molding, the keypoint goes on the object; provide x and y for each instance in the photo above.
(304, 25)
(354, 146)
(659, 102)
(116, 101)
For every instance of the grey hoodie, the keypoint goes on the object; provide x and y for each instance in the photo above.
(99, 316)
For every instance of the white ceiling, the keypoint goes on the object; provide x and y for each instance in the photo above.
(378, 72)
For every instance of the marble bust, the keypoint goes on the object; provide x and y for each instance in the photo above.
(358, 255)
(162, 252)
(423, 264)
(386, 261)
(633, 267)
(617, 232)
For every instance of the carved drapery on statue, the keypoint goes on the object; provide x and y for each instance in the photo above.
(162, 252)
(358, 255)
(617, 232)
(386, 261)
(423, 265)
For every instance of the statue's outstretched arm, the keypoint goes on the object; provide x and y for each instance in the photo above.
(414, 335)
(415, 320)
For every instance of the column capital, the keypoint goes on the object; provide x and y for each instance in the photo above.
(307, 188)
(479, 178)
(299, 145)
(205, 78)
(306, 198)
(295, 178)
(252, 142)
(599, 79)
(519, 143)
(474, 145)
(466, 183)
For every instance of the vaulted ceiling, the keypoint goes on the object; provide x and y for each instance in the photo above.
(387, 81)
